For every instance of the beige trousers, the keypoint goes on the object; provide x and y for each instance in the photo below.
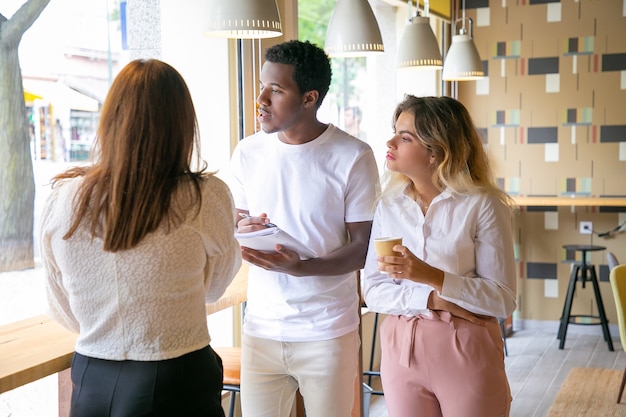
(272, 371)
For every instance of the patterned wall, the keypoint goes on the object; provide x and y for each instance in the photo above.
(552, 111)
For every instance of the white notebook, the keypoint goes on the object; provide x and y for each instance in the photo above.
(266, 240)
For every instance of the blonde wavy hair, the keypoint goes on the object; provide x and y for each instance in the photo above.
(445, 127)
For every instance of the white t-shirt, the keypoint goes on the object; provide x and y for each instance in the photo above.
(311, 191)
(146, 303)
(468, 237)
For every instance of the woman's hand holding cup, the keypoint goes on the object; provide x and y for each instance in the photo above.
(384, 247)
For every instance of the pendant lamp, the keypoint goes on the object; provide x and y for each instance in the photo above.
(462, 61)
(353, 30)
(418, 45)
(243, 19)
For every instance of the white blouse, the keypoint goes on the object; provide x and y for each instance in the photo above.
(468, 237)
(146, 303)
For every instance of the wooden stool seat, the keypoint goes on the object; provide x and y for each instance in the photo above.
(231, 361)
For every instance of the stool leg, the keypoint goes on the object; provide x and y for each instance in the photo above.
(573, 275)
(370, 373)
(567, 308)
(371, 368)
(501, 322)
(603, 320)
(233, 390)
(231, 410)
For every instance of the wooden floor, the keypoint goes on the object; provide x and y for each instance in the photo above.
(536, 367)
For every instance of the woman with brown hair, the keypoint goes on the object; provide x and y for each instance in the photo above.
(134, 245)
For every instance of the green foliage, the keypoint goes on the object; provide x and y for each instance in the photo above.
(313, 19)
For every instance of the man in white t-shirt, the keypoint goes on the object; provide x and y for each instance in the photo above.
(319, 184)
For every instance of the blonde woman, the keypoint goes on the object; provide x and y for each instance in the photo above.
(454, 274)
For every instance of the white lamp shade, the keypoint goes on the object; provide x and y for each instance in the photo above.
(462, 62)
(418, 46)
(243, 19)
(353, 30)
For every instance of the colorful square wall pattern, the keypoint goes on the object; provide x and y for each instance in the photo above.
(612, 133)
(579, 46)
(541, 270)
(534, 2)
(614, 62)
(476, 4)
(574, 256)
(545, 65)
(484, 134)
(578, 116)
(507, 49)
(511, 185)
(576, 186)
(543, 134)
(541, 209)
(506, 118)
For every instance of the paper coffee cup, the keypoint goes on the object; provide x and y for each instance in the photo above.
(384, 247)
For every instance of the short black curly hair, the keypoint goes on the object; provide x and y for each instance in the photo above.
(311, 65)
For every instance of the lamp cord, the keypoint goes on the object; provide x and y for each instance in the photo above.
(463, 19)
(617, 229)
(417, 13)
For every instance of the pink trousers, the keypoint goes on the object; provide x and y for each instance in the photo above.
(443, 367)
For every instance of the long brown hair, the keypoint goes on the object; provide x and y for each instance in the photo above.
(146, 140)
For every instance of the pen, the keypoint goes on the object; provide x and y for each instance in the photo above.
(247, 216)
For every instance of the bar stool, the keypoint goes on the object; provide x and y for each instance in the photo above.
(583, 272)
(231, 362)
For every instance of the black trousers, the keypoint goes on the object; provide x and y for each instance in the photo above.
(187, 386)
